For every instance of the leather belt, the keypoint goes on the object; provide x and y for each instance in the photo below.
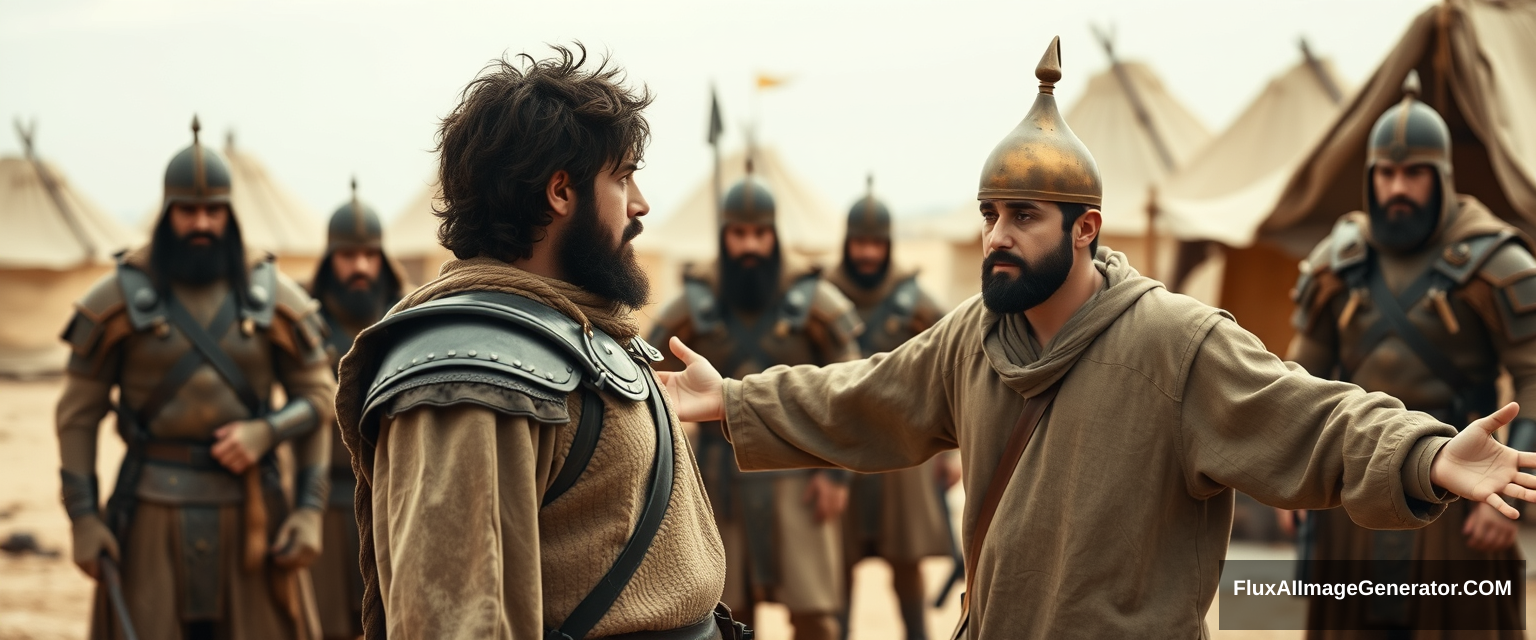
(192, 455)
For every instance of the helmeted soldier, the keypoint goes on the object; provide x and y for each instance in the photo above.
(898, 516)
(194, 338)
(355, 283)
(1425, 295)
(749, 311)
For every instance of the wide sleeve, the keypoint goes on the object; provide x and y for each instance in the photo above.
(886, 412)
(455, 496)
(1271, 430)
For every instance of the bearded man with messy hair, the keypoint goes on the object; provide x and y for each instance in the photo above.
(520, 474)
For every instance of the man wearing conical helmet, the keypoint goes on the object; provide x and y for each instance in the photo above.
(1424, 295)
(757, 307)
(897, 516)
(1104, 421)
(355, 283)
(194, 336)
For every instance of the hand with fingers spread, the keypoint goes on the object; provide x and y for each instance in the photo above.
(696, 391)
(1477, 467)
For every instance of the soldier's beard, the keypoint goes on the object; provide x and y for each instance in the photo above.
(365, 304)
(1405, 234)
(865, 280)
(596, 261)
(177, 259)
(1036, 283)
(749, 282)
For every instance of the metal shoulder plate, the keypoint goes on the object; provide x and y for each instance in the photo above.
(1309, 283)
(505, 340)
(145, 307)
(1512, 272)
(904, 297)
(703, 307)
(265, 293)
(100, 319)
(1347, 247)
(799, 299)
(1461, 260)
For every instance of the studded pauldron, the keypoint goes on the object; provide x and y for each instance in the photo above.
(506, 336)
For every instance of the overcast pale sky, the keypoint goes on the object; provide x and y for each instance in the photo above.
(916, 92)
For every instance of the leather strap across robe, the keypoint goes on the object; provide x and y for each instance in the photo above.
(1023, 430)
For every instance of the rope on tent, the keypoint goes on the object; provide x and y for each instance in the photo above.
(1139, 107)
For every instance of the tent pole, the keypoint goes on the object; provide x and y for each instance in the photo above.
(1151, 236)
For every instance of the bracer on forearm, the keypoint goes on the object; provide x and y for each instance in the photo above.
(312, 488)
(295, 419)
(81, 495)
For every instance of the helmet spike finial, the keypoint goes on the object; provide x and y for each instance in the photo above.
(1048, 72)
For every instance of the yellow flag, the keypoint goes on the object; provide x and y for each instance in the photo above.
(765, 81)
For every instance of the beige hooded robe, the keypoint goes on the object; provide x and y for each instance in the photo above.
(1116, 521)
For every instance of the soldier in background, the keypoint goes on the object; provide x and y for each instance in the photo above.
(753, 310)
(194, 337)
(355, 284)
(1424, 296)
(897, 516)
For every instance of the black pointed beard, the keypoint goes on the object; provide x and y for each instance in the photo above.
(1036, 283)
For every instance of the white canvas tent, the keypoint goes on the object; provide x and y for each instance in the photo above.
(1216, 202)
(411, 237)
(56, 244)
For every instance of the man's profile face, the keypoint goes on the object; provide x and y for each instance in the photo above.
(1027, 253)
(357, 268)
(749, 244)
(868, 254)
(199, 224)
(1402, 189)
(596, 250)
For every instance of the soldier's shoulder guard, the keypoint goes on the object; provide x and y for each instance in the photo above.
(828, 307)
(1323, 271)
(504, 341)
(927, 311)
(99, 322)
(1511, 270)
(673, 320)
(699, 305)
(291, 315)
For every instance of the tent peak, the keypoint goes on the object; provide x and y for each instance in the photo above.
(26, 133)
(1319, 73)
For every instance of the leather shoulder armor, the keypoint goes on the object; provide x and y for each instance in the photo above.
(1346, 245)
(829, 307)
(1461, 260)
(1317, 274)
(1511, 270)
(504, 340)
(702, 305)
(279, 304)
(98, 324)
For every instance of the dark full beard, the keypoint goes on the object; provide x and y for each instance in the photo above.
(357, 306)
(1405, 235)
(593, 261)
(861, 279)
(1035, 283)
(182, 262)
(749, 288)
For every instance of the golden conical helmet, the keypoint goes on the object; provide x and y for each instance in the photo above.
(1041, 159)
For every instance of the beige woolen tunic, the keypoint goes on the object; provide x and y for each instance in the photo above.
(452, 486)
(1116, 521)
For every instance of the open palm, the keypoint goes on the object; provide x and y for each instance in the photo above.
(696, 390)
(1477, 467)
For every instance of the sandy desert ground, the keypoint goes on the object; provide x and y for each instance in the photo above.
(47, 598)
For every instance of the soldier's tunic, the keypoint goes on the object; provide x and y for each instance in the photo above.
(1483, 271)
(896, 515)
(1119, 513)
(775, 548)
(452, 475)
(182, 560)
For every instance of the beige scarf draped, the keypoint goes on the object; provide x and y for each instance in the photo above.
(1022, 364)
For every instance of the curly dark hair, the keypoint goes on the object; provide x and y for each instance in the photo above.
(519, 122)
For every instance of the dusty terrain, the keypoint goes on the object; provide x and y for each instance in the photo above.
(47, 598)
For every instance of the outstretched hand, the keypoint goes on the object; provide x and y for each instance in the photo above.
(696, 391)
(1477, 467)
